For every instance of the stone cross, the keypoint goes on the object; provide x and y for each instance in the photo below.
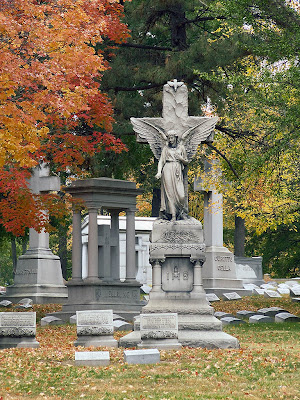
(175, 111)
(41, 182)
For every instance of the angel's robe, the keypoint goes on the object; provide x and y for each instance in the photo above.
(172, 186)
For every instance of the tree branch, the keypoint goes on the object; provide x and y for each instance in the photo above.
(145, 46)
(224, 157)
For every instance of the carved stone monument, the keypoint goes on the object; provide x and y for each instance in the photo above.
(102, 288)
(177, 247)
(38, 273)
(222, 271)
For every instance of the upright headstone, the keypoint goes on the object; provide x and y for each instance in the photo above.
(38, 273)
(177, 246)
(219, 271)
(95, 328)
(159, 331)
(18, 329)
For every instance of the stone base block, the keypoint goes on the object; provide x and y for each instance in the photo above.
(92, 358)
(40, 294)
(147, 356)
(24, 342)
(160, 344)
(123, 298)
(191, 338)
(96, 341)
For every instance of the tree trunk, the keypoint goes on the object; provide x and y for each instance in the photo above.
(63, 253)
(177, 27)
(14, 254)
(155, 202)
(239, 236)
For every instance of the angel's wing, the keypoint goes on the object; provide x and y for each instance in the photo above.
(200, 132)
(151, 133)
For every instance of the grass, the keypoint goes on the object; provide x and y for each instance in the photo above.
(265, 367)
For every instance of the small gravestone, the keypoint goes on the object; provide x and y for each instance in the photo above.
(286, 317)
(231, 296)
(222, 314)
(250, 286)
(271, 312)
(271, 294)
(245, 314)
(258, 292)
(295, 290)
(73, 319)
(159, 330)
(95, 328)
(283, 291)
(211, 297)
(295, 299)
(25, 303)
(117, 316)
(5, 303)
(291, 283)
(145, 356)
(50, 320)
(145, 289)
(257, 319)
(92, 358)
(283, 286)
(18, 329)
(120, 325)
(231, 321)
(268, 286)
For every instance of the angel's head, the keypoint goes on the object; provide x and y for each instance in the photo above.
(172, 138)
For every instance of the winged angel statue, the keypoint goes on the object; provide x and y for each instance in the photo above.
(173, 151)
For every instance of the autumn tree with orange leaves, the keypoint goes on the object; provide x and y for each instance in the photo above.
(52, 56)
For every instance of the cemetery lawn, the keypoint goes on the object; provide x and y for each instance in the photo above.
(265, 367)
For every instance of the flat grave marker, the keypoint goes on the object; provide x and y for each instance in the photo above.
(92, 358)
(145, 356)
(231, 296)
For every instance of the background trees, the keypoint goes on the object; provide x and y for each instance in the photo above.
(51, 105)
(241, 55)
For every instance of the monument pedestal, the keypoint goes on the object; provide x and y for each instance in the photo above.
(219, 272)
(38, 276)
(121, 297)
(38, 273)
(177, 256)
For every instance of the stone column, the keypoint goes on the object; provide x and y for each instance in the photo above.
(93, 245)
(130, 246)
(213, 218)
(76, 246)
(156, 274)
(198, 284)
(115, 245)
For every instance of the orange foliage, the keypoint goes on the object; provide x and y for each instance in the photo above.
(50, 74)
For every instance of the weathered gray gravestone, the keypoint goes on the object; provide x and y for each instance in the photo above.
(18, 329)
(219, 270)
(159, 331)
(38, 273)
(92, 358)
(95, 328)
(144, 356)
(177, 247)
(286, 317)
